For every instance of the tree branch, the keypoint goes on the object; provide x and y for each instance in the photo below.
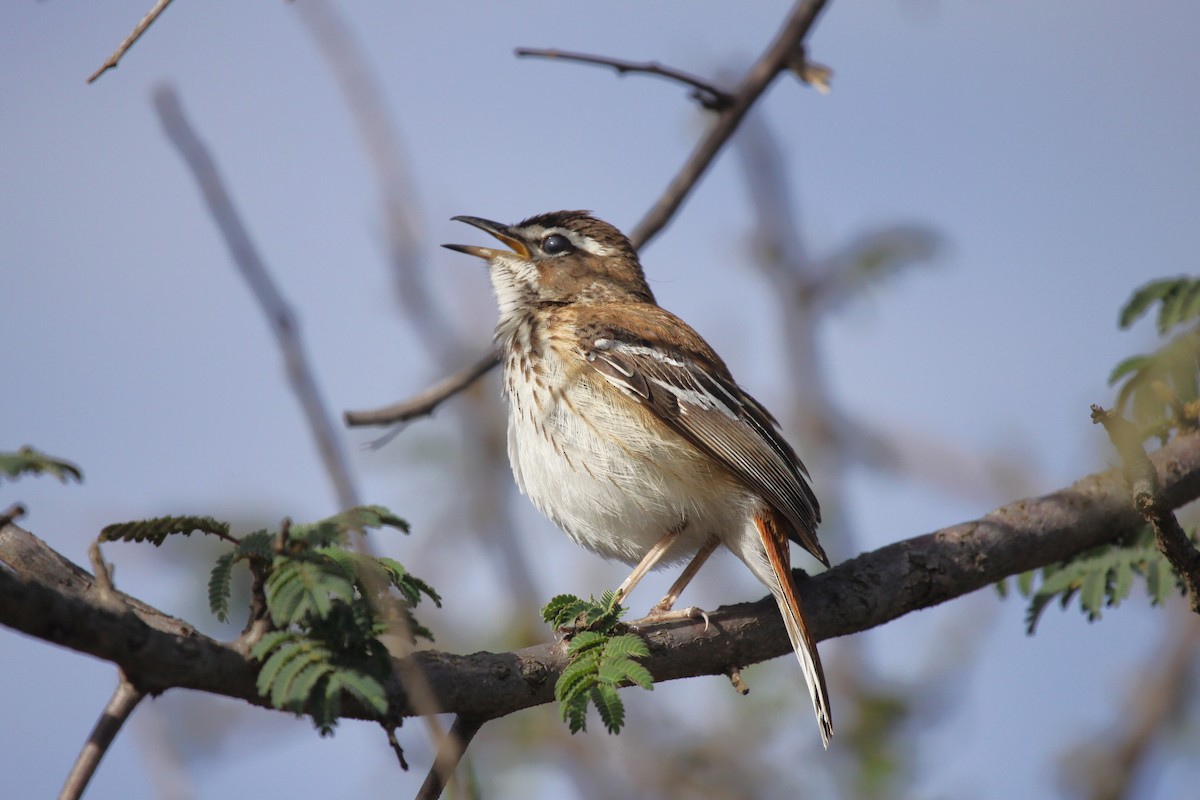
(123, 701)
(45, 596)
(423, 404)
(779, 56)
(138, 30)
(707, 94)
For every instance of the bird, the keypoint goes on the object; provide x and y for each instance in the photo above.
(628, 431)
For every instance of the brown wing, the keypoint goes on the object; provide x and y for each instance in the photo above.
(697, 398)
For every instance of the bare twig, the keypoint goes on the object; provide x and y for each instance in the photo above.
(453, 747)
(139, 29)
(250, 264)
(104, 581)
(11, 514)
(1172, 540)
(424, 403)
(123, 701)
(706, 94)
(777, 58)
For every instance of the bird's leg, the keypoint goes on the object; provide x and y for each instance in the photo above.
(652, 557)
(689, 572)
(661, 612)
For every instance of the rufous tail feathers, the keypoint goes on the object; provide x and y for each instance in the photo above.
(776, 545)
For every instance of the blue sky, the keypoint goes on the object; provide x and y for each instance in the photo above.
(1052, 147)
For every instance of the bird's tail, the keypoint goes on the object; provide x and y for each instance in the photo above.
(778, 579)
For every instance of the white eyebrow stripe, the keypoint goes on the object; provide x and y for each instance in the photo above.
(536, 233)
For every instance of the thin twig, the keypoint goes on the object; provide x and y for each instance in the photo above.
(423, 404)
(123, 701)
(777, 58)
(138, 30)
(453, 747)
(1173, 542)
(707, 94)
(11, 514)
(250, 264)
(104, 581)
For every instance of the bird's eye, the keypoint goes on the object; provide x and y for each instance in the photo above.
(556, 243)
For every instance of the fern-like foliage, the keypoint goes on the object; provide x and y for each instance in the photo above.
(28, 461)
(332, 530)
(157, 530)
(328, 605)
(1161, 389)
(600, 660)
(1100, 577)
(301, 673)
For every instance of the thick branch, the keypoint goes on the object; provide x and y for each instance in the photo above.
(44, 595)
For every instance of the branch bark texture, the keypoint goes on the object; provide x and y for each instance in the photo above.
(46, 596)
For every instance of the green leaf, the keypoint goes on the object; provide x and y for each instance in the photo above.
(258, 545)
(409, 585)
(577, 678)
(218, 586)
(368, 690)
(1122, 583)
(276, 662)
(1160, 581)
(1025, 582)
(561, 609)
(1145, 297)
(626, 645)
(28, 461)
(332, 530)
(156, 530)
(1132, 364)
(574, 714)
(297, 588)
(1091, 595)
(619, 671)
(612, 710)
(305, 685)
(1170, 311)
(280, 688)
(269, 642)
(584, 640)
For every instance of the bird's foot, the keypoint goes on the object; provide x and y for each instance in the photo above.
(661, 613)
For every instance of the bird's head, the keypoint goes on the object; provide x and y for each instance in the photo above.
(559, 258)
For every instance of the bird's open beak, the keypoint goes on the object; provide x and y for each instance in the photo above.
(501, 232)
